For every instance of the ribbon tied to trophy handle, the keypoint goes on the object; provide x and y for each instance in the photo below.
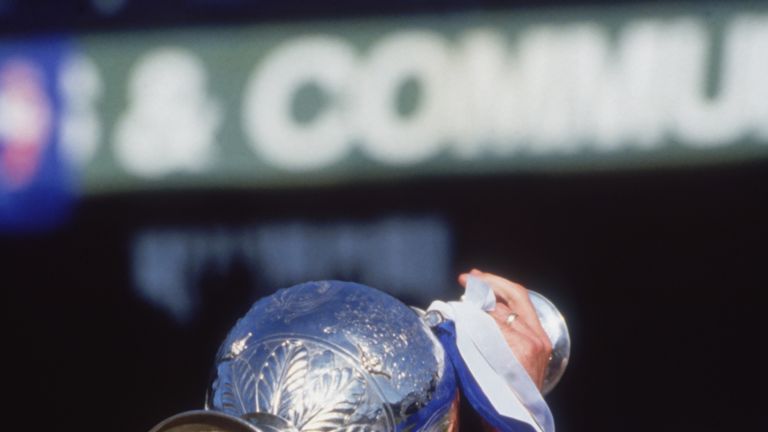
(504, 388)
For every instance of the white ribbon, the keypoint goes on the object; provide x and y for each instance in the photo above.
(501, 377)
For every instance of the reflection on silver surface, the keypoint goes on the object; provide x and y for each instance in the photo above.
(333, 355)
(205, 421)
(554, 325)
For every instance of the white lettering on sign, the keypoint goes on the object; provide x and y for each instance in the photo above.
(553, 91)
(328, 63)
(81, 88)
(171, 122)
(387, 135)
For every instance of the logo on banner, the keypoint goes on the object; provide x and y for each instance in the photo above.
(25, 123)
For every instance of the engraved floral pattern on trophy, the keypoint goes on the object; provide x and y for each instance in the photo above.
(291, 304)
(327, 356)
(305, 383)
(383, 343)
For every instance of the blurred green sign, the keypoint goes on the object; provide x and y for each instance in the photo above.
(379, 98)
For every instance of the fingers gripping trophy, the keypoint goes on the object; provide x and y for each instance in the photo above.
(339, 356)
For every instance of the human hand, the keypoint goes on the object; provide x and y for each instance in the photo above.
(524, 335)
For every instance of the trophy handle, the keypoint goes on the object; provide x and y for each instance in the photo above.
(554, 325)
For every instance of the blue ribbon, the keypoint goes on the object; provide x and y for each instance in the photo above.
(446, 333)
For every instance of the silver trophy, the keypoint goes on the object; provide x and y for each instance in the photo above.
(338, 356)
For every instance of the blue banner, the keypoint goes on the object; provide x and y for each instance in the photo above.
(36, 182)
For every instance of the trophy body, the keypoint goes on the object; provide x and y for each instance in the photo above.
(325, 355)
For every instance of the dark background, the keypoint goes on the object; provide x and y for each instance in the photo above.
(658, 272)
(42, 16)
